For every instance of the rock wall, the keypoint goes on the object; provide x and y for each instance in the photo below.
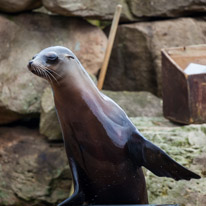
(32, 172)
(13, 6)
(132, 9)
(187, 145)
(33, 165)
(136, 58)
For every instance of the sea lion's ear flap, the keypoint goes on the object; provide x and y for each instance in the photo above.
(146, 154)
(69, 56)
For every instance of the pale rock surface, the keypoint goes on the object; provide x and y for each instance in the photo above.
(166, 8)
(32, 172)
(132, 9)
(23, 36)
(187, 145)
(14, 6)
(97, 9)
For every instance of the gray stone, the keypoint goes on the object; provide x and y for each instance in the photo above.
(132, 9)
(23, 36)
(13, 6)
(49, 124)
(165, 8)
(187, 145)
(32, 172)
(97, 9)
(135, 63)
(137, 104)
(133, 103)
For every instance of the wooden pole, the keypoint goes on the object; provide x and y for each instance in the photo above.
(109, 46)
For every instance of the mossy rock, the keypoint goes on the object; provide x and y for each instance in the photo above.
(185, 144)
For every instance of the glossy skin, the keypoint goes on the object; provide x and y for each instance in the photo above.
(104, 149)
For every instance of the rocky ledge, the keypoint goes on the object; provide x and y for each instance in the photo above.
(187, 145)
(34, 171)
(132, 9)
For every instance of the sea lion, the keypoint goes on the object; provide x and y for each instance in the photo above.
(104, 149)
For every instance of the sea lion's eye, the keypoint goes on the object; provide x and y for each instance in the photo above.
(69, 56)
(34, 57)
(51, 57)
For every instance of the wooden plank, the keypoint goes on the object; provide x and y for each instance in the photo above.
(109, 46)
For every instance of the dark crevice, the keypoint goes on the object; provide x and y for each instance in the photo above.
(30, 122)
(164, 18)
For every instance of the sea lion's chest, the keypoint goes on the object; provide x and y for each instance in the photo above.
(95, 152)
(93, 138)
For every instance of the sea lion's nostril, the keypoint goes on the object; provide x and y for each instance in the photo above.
(29, 64)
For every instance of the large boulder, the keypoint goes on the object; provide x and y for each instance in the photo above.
(32, 172)
(187, 145)
(137, 104)
(133, 103)
(132, 9)
(97, 9)
(163, 8)
(135, 62)
(23, 36)
(13, 6)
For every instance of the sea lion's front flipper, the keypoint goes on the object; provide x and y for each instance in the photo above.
(146, 154)
(77, 198)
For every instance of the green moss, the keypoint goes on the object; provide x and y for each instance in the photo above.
(98, 23)
(185, 144)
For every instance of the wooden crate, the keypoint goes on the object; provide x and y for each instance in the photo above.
(184, 96)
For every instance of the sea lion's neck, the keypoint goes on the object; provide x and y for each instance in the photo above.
(73, 89)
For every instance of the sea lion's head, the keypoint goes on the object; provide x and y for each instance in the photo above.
(53, 63)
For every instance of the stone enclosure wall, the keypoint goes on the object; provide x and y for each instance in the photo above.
(33, 168)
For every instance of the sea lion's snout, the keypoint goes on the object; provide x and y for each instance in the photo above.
(52, 64)
(45, 64)
(29, 64)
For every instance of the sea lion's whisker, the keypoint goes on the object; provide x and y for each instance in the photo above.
(49, 73)
(44, 73)
(47, 76)
(53, 72)
(37, 70)
(45, 69)
(40, 71)
(33, 68)
(52, 76)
